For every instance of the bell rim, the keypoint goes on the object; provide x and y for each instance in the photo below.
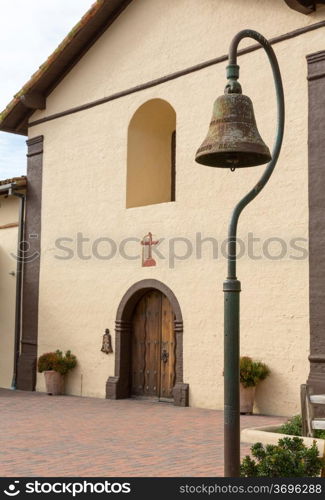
(248, 159)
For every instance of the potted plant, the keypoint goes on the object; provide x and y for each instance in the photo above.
(55, 365)
(251, 373)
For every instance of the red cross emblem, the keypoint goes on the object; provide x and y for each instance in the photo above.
(147, 243)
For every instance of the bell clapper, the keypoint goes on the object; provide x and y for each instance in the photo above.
(234, 162)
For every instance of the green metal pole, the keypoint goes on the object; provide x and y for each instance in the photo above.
(232, 285)
(231, 379)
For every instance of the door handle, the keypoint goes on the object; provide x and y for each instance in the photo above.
(164, 356)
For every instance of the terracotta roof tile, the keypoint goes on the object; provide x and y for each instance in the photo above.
(38, 74)
(21, 181)
(14, 117)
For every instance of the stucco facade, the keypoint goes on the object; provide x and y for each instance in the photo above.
(9, 208)
(84, 191)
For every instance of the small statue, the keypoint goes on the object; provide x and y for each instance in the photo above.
(107, 342)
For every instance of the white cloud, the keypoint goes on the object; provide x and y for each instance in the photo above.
(30, 32)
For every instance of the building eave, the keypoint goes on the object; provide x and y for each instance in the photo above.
(16, 184)
(14, 119)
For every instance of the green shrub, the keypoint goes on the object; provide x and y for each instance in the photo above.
(294, 428)
(46, 361)
(289, 458)
(57, 361)
(252, 372)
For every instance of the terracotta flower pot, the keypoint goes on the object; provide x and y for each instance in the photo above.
(247, 395)
(54, 383)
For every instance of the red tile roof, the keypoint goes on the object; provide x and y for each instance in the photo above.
(102, 13)
(20, 181)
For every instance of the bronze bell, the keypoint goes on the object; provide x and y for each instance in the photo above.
(233, 140)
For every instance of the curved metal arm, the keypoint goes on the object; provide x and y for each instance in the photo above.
(277, 144)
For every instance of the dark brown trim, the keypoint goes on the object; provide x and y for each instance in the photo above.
(8, 226)
(302, 6)
(118, 387)
(316, 77)
(316, 183)
(177, 74)
(26, 379)
(316, 57)
(317, 358)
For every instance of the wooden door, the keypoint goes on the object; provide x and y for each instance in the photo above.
(168, 349)
(153, 347)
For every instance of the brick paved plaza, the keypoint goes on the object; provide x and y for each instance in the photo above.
(70, 436)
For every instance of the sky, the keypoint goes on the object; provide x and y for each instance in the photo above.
(30, 31)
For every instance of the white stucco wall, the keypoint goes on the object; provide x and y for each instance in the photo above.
(8, 246)
(84, 183)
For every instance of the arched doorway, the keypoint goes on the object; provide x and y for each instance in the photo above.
(149, 312)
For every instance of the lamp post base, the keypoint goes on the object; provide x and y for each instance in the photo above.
(231, 288)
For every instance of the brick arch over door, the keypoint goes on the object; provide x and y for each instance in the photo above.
(118, 387)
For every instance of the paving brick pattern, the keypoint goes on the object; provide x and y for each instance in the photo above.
(69, 436)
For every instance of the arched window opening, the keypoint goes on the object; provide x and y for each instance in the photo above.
(151, 166)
